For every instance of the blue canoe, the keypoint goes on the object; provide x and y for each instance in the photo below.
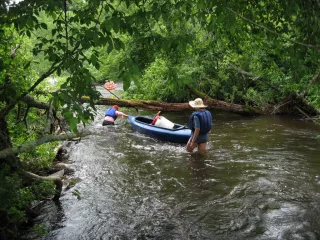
(179, 133)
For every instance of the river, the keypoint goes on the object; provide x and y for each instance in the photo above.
(259, 180)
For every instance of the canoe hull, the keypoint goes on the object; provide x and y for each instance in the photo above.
(180, 133)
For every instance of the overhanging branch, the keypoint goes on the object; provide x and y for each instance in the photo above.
(31, 102)
(56, 178)
(272, 31)
(33, 144)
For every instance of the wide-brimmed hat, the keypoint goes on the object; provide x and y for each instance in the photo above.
(197, 103)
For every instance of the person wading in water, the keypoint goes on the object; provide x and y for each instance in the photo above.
(200, 123)
(111, 115)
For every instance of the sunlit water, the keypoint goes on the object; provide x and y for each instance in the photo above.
(259, 180)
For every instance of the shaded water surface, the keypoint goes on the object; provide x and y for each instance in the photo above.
(259, 180)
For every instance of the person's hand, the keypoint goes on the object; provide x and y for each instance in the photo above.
(190, 146)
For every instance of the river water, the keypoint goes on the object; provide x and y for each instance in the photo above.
(260, 179)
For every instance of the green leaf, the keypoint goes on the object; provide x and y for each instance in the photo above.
(108, 24)
(109, 49)
(93, 59)
(59, 71)
(116, 26)
(95, 39)
(76, 193)
(116, 44)
(29, 22)
(97, 65)
(2, 66)
(157, 15)
(126, 81)
(44, 26)
(27, 65)
(35, 19)
(35, 51)
(73, 124)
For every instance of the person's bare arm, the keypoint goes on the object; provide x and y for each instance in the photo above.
(195, 136)
(121, 114)
(191, 145)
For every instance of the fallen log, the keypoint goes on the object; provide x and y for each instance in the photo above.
(221, 105)
(287, 106)
(175, 107)
(293, 104)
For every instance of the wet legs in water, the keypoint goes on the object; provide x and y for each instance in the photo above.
(201, 147)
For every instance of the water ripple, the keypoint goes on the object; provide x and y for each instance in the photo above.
(259, 180)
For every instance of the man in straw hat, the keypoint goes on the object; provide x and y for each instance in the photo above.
(200, 123)
(111, 115)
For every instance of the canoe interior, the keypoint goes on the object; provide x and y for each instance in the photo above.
(148, 121)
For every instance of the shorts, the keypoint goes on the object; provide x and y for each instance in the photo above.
(105, 122)
(202, 138)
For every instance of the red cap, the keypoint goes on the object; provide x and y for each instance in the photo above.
(116, 107)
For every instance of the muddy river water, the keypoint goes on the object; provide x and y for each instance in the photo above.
(260, 179)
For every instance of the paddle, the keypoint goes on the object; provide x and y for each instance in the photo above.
(156, 118)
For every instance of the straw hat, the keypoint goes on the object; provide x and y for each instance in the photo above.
(197, 103)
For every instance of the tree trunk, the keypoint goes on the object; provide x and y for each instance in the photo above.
(221, 105)
(5, 143)
(175, 107)
(288, 106)
(293, 105)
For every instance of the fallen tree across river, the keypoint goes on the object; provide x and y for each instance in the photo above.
(175, 107)
(294, 104)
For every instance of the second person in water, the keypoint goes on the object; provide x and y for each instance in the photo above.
(111, 115)
(200, 123)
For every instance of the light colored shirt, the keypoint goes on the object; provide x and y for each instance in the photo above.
(196, 122)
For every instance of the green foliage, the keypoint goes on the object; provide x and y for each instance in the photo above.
(254, 98)
(157, 87)
(40, 229)
(43, 189)
(77, 194)
(41, 158)
(15, 197)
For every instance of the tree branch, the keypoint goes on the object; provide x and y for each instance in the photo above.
(25, 117)
(33, 144)
(249, 74)
(314, 78)
(56, 178)
(272, 31)
(49, 120)
(31, 102)
(4, 111)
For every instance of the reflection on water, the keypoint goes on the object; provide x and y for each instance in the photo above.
(260, 179)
